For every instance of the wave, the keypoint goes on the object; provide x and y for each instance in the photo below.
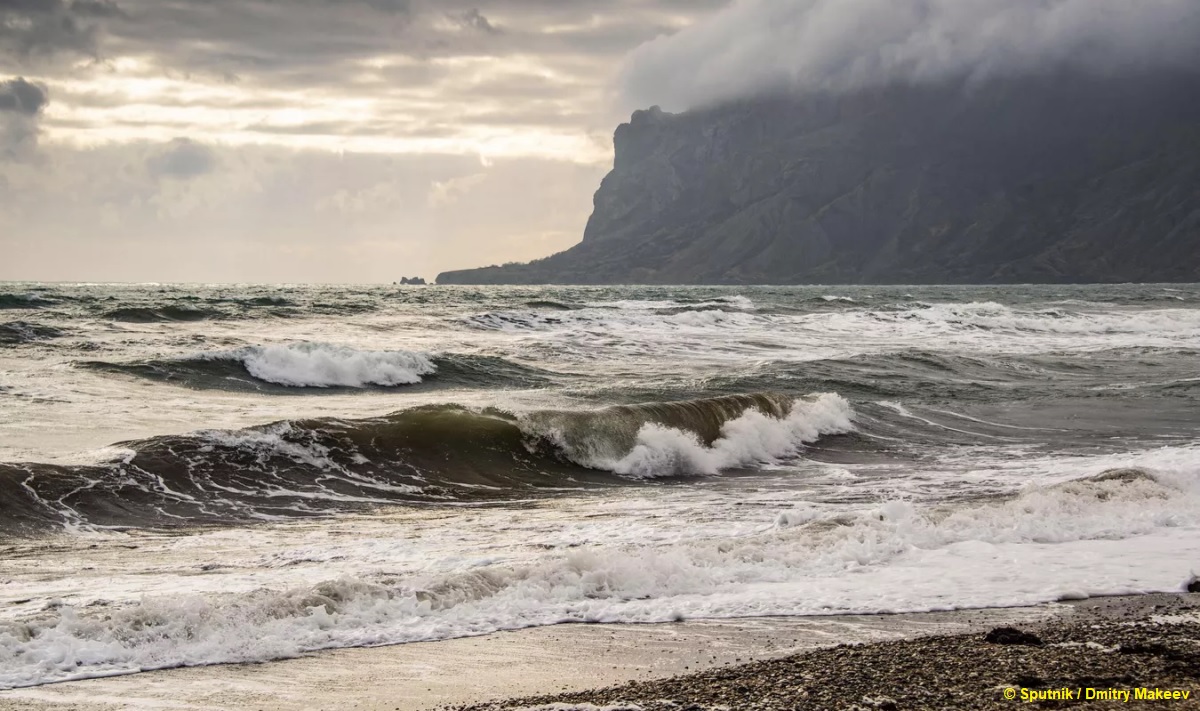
(24, 301)
(17, 332)
(733, 301)
(816, 320)
(1047, 543)
(924, 376)
(156, 314)
(693, 438)
(667, 313)
(320, 365)
(674, 317)
(992, 316)
(442, 453)
(252, 301)
(551, 305)
(306, 366)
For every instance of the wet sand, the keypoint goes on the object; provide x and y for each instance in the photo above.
(543, 660)
(1111, 653)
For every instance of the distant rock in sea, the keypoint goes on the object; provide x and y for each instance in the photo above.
(415, 281)
(1064, 178)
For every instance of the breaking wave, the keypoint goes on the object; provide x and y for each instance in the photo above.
(434, 453)
(320, 365)
(306, 366)
(891, 556)
(701, 437)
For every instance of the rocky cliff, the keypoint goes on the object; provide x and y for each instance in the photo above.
(1049, 179)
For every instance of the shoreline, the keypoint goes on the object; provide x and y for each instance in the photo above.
(421, 676)
(1108, 653)
(701, 661)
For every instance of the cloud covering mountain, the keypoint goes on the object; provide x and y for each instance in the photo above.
(762, 46)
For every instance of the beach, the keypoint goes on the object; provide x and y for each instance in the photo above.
(1106, 654)
(927, 660)
(731, 355)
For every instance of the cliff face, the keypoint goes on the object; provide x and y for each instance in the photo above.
(1063, 179)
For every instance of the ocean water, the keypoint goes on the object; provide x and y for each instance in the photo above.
(208, 474)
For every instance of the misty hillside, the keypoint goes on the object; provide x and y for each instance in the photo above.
(1070, 178)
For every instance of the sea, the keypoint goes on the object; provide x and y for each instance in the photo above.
(207, 474)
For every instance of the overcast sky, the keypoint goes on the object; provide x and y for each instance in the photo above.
(365, 140)
(306, 140)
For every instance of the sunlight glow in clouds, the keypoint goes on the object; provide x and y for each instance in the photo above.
(315, 140)
(133, 101)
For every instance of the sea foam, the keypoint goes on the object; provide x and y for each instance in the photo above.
(323, 365)
(1116, 533)
(752, 438)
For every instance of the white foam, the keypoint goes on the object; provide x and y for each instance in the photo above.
(642, 336)
(1078, 538)
(322, 365)
(1108, 322)
(737, 301)
(752, 438)
(697, 316)
(273, 441)
(1191, 618)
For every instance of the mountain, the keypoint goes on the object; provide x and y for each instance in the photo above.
(1065, 178)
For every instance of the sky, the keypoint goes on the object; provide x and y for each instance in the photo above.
(306, 140)
(359, 141)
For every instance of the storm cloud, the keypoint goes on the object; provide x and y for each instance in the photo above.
(480, 77)
(21, 97)
(43, 29)
(306, 140)
(21, 103)
(759, 46)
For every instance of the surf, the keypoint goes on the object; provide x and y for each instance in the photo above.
(429, 454)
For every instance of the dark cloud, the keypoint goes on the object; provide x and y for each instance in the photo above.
(325, 41)
(182, 158)
(306, 119)
(473, 19)
(261, 38)
(754, 46)
(423, 63)
(22, 97)
(21, 103)
(398, 69)
(41, 29)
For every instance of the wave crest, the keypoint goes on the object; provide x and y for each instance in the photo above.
(914, 555)
(304, 366)
(24, 301)
(754, 437)
(321, 365)
(431, 453)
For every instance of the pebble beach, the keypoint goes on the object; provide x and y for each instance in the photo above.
(1102, 656)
